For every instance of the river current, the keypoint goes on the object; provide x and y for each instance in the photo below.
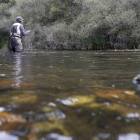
(69, 95)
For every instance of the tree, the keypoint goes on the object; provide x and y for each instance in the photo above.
(103, 24)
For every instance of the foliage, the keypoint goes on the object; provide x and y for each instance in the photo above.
(104, 24)
(3, 40)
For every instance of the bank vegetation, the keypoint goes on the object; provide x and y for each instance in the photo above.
(74, 24)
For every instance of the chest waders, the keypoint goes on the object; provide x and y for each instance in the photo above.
(15, 32)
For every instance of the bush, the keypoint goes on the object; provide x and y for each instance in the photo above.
(96, 24)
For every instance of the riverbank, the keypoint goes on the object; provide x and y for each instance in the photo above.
(135, 50)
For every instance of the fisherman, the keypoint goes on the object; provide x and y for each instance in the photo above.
(17, 31)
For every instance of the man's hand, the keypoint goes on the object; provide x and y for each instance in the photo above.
(29, 31)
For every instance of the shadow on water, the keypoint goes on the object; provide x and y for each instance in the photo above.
(69, 96)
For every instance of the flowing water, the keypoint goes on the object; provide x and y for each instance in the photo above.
(62, 95)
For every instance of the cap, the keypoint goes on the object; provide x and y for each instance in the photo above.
(19, 18)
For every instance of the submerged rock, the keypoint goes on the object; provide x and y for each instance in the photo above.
(136, 80)
(8, 117)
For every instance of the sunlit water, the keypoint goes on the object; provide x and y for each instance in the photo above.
(61, 95)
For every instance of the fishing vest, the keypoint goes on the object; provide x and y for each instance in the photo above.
(15, 31)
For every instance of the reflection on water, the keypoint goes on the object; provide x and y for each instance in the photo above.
(6, 136)
(133, 115)
(16, 70)
(103, 136)
(57, 137)
(69, 96)
(2, 109)
(68, 101)
(57, 114)
(129, 136)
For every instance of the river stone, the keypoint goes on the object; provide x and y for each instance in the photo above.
(7, 117)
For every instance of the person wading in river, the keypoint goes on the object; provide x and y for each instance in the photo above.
(17, 31)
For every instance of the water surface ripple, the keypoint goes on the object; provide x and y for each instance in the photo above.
(66, 95)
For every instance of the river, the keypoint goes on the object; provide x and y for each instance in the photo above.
(69, 95)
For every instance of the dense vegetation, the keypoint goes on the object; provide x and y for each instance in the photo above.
(74, 24)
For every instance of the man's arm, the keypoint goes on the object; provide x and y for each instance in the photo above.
(23, 32)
